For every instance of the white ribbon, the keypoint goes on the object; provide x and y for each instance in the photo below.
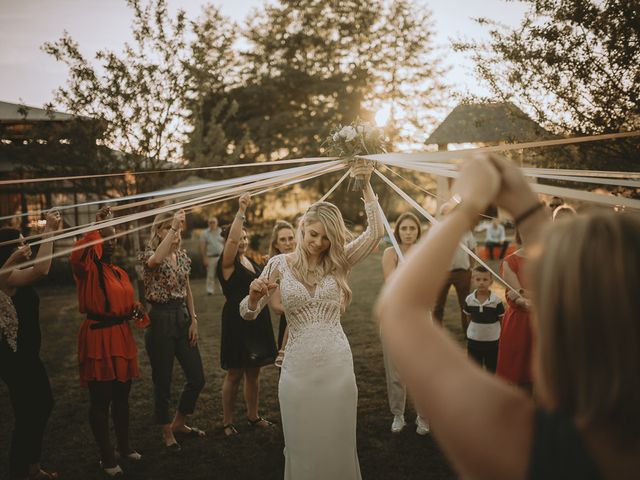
(432, 219)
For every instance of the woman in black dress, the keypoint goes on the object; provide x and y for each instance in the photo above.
(20, 365)
(245, 345)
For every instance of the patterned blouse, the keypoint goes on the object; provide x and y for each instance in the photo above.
(8, 321)
(165, 282)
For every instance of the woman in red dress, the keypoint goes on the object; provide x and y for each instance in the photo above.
(107, 353)
(514, 350)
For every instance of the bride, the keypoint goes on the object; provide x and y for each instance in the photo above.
(317, 390)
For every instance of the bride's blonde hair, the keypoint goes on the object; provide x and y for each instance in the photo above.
(334, 261)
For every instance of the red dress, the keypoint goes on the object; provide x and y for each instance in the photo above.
(516, 341)
(104, 354)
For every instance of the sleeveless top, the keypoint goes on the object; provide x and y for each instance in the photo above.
(27, 303)
(558, 451)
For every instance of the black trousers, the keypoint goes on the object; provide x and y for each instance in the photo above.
(167, 338)
(503, 248)
(485, 353)
(32, 402)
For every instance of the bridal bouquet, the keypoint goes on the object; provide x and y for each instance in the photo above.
(353, 140)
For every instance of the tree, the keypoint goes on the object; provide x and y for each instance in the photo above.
(311, 65)
(212, 70)
(142, 95)
(407, 73)
(574, 64)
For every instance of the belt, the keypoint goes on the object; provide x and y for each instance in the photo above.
(459, 270)
(105, 321)
(177, 302)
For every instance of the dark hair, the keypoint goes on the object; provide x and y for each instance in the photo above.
(480, 269)
(402, 218)
(8, 234)
(224, 231)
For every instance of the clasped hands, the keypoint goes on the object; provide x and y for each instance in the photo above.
(362, 168)
(489, 178)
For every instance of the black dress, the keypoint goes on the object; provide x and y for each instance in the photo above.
(28, 384)
(243, 343)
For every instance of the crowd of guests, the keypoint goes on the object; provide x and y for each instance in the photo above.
(575, 372)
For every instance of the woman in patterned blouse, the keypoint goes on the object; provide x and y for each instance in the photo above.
(174, 325)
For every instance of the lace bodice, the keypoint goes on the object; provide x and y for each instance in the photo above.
(314, 317)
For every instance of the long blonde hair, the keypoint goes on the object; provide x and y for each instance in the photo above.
(159, 222)
(586, 285)
(334, 261)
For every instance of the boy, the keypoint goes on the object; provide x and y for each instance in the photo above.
(485, 311)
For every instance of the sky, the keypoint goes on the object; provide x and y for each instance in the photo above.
(30, 76)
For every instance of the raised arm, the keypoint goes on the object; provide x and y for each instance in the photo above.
(235, 234)
(389, 262)
(367, 241)
(261, 288)
(465, 404)
(164, 248)
(19, 255)
(26, 276)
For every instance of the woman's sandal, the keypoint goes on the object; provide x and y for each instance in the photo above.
(111, 472)
(229, 430)
(132, 456)
(192, 432)
(279, 359)
(261, 423)
(42, 475)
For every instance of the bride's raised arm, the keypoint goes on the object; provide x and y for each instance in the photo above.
(367, 241)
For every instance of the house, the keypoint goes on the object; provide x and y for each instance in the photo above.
(36, 142)
(471, 125)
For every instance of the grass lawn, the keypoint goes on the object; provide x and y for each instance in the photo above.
(69, 447)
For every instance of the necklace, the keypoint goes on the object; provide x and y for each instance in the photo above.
(313, 276)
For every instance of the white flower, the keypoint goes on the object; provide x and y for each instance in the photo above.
(348, 133)
(336, 136)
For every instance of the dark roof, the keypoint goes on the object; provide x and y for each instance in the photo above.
(487, 122)
(14, 112)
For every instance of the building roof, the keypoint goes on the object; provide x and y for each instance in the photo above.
(14, 112)
(487, 122)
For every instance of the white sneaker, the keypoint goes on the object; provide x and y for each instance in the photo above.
(398, 424)
(422, 427)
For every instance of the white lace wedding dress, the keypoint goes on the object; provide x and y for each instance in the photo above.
(317, 390)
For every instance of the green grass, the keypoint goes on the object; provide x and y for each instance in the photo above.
(70, 449)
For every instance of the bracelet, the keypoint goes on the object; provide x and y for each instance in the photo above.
(463, 206)
(241, 215)
(527, 213)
